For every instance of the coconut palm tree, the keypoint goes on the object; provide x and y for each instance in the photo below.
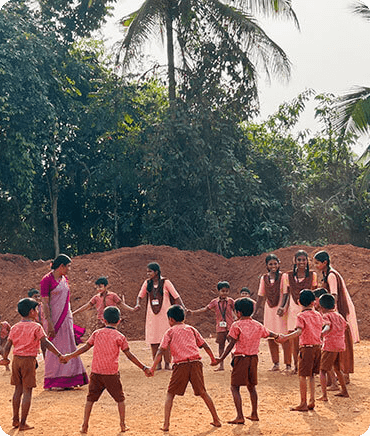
(213, 19)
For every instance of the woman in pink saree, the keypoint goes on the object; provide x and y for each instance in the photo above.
(59, 326)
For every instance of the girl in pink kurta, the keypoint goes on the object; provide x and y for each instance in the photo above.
(275, 317)
(161, 295)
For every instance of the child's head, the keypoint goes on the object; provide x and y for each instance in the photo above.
(272, 264)
(152, 270)
(245, 292)
(223, 289)
(322, 261)
(306, 297)
(176, 312)
(112, 315)
(102, 283)
(26, 305)
(317, 293)
(33, 293)
(244, 306)
(327, 302)
(301, 262)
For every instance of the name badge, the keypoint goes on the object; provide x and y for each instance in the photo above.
(155, 302)
(223, 324)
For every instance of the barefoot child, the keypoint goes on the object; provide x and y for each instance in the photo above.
(245, 334)
(4, 333)
(308, 327)
(184, 342)
(107, 343)
(222, 307)
(334, 344)
(25, 336)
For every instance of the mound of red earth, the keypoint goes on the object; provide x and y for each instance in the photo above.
(194, 274)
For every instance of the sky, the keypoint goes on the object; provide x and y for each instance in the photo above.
(329, 54)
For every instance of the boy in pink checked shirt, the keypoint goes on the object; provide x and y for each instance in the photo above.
(223, 308)
(245, 334)
(26, 337)
(309, 326)
(107, 343)
(184, 342)
(334, 343)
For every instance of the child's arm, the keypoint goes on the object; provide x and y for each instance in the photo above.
(122, 304)
(283, 338)
(157, 359)
(6, 351)
(229, 347)
(50, 346)
(201, 310)
(137, 362)
(258, 304)
(325, 330)
(47, 315)
(282, 308)
(83, 308)
(208, 350)
(67, 357)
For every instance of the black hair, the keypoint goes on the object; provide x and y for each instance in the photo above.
(102, 281)
(176, 312)
(154, 266)
(327, 301)
(245, 290)
(273, 256)
(319, 291)
(62, 259)
(244, 305)
(221, 285)
(301, 253)
(323, 256)
(306, 297)
(32, 292)
(26, 305)
(112, 314)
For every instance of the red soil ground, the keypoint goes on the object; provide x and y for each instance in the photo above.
(194, 274)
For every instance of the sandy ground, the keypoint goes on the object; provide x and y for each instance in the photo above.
(60, 413)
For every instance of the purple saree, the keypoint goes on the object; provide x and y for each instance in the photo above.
(73, 373)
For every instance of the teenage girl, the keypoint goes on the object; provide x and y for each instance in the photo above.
(275, 317)
(334, 283)
(293, 283)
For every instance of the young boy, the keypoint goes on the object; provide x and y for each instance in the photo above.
(308, 327)
(184, 342)
(107, 343)
(245, 293)
(103, 299)
(25, 336)
(245, 334)
(334, 343)
(4, 333)
(222, 307)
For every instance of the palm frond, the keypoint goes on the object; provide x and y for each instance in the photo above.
(361, 9)
(354, 111)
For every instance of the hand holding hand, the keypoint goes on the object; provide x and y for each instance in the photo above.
(281, 339)
(64, 359)
(4, 362)
(137, 308)
(216, 361)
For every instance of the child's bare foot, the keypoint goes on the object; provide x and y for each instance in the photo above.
(333, 388)
(159, 367)
(236, 421)
(253, 418)
(24, 427)
(275, 367)
(15, 422)
(220, 368)
(165, 428)
(300, 408)
(83, 429)
(342, 394)
(167, 366)
(216, 423)
(311, 406)
(322, 398)
(124, 428)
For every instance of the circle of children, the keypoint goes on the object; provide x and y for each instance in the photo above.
(315, 326)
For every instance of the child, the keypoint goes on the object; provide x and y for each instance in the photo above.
(25, 336)
(308, 328)
(4, 333)
(107, 343)
(245, 292)
(317, 293)
(103, 299)
(184, 341)
(222, 307)
(334, 344)
(245, 334)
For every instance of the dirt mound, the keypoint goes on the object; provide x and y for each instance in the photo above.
(194, 274)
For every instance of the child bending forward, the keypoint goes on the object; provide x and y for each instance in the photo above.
(107, 343)
(184, 342)
(245, 334)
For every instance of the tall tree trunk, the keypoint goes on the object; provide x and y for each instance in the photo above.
(170, 56)
(52, 179)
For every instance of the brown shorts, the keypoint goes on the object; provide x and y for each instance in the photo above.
(309, 360)
(221, 337)
(244, 371)
(182, 373)
(330, 359)
(110, 382)
(24, 371)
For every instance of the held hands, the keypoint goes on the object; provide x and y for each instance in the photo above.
(148, 371)
(4, 362)
(281, 339)
(137, 308)
(216, 361)
(64, 358)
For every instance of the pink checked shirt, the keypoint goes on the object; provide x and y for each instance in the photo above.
(247, 333)
(184, 342)
(25, 336)
(311, 323)
(107, 343)
(334, 339)
(220, 307)
(111, 299)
